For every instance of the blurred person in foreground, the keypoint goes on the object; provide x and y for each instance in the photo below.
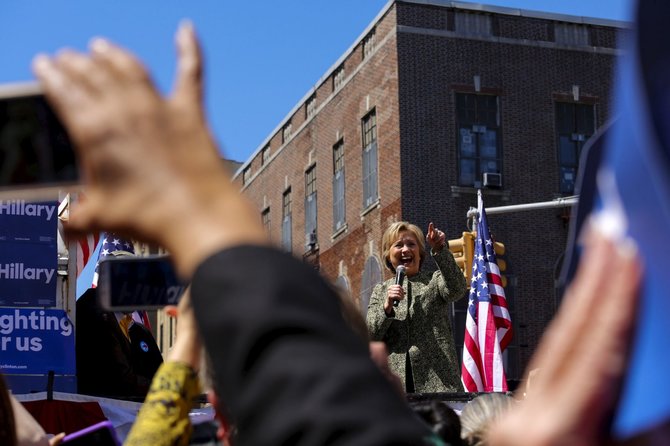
(288, 368)
(164, 417)
(17, 426)
(482, 412)
(417, 331)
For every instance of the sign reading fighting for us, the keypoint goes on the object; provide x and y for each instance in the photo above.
(28, 253)
(34, 341)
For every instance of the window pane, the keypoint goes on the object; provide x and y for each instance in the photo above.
(286, 233)
(373, 172)
(488, 147)
(467, 143)
(467, 173)
(568, 151)
(565, 118)
(585, 120)
(310, 214)
(338, 200)
(489, 166)
(568, 175)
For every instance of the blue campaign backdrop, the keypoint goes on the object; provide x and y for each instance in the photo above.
(28, 274)
(35, 341)
(23, 221)
(28, 253)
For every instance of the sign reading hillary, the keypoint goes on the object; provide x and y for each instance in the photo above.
(34, 341)
(28, 274)
(23, 221)
(28, 253)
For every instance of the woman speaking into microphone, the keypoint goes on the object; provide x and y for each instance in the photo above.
(411, 313)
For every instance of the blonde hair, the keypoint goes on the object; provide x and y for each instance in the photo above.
(480, 413)
(391, 235)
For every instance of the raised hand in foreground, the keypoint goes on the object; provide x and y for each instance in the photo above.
(151, 167)
(583, 355)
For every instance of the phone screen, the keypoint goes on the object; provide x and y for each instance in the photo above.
(36, 155)
(132, 283)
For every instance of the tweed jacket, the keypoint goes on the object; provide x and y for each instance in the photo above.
(421, 325)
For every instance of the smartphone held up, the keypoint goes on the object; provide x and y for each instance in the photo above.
(138, 283)
(37, 160)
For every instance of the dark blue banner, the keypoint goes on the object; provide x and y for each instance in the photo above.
(28, 253)
(34, 341)
(22, 221)
(28, 274)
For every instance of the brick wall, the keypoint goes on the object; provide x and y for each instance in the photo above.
(410, 80)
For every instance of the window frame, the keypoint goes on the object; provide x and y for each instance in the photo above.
(578, 134)
(287, 220)
(265, 155)
(339, 186)
(370, 158)
(477, 120)
(310, 202)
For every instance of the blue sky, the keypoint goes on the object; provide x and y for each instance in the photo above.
(261, 56)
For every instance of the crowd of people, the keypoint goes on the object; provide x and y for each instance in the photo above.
(285, 365)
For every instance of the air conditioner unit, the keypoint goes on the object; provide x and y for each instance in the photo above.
(493, 180)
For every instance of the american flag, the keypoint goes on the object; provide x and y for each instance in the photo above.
(85, 248)
(488, 327)
(111, 243)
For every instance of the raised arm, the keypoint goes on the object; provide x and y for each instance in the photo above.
(449, 279)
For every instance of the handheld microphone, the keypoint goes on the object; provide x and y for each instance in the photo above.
(399, 279)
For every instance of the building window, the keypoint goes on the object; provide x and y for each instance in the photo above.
(246, 175)
(575, 123)
(286, 132)
(338, 186)
(342, 283)
(372, 275)
(473, 24)
(310, 107)
(265, 155)
(369, 44)
(310, 206)
(478, 137)
(571, 34)
(369, 128)
(338, 78)
(286, 239)
(265, 218)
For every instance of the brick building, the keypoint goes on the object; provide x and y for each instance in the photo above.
(431, 96)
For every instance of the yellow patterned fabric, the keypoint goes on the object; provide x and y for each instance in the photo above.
(163, 418)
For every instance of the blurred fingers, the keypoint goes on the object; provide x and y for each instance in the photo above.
(56, 439)
(120, 64)
(171, 310)
(575, 318)
(188, 84)
(55, 83)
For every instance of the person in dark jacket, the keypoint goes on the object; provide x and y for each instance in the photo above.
(109, 363)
